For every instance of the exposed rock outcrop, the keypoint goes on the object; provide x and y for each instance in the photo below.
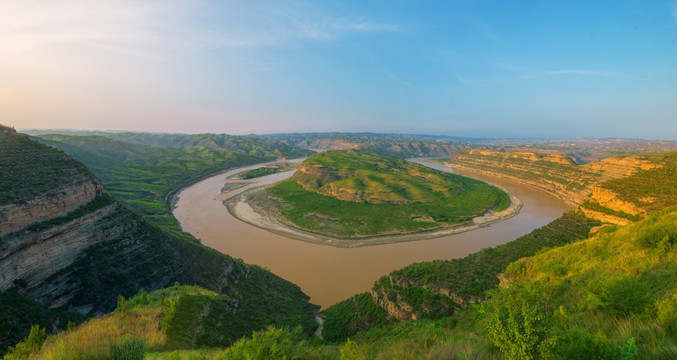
(46, 206)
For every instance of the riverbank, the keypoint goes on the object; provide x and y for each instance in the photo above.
(329, 274)
(268, 218)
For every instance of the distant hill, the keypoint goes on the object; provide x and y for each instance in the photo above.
(144, 170)
(79, 253)
(393, 144)
(618, 189)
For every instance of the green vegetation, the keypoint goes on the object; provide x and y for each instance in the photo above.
(97, 203)
(145, 256)
(267, 170)
(348, 317)
(144, 170)
(351, 193)
(127, 254)
(607, 295)
(178, 317)
(650, 190)
(17, 310)
(592, 205)
(436, 289)
(27, 170)
(558, 175)
(470, 277)
(384, 144)
(612, 296)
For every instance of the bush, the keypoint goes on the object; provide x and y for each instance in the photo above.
(30, 345)
(578, 343)
(273, 344)
(128, 349)
(516, 324)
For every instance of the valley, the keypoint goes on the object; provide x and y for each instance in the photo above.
(340, 272)
(452, 292)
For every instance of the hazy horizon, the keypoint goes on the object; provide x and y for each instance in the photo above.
(469, 69)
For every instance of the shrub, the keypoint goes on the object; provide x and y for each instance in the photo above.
(516, 324)
(270, 344)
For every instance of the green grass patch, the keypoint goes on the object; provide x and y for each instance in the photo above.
(345, 194)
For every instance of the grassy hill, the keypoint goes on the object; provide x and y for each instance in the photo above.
(28, 170)
(645, 192)
(91, 255)
(384, 144)
(144, 170)
(436, 289)
(353, 193)
(611, 296)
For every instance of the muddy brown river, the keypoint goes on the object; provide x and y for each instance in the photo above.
(329, 274)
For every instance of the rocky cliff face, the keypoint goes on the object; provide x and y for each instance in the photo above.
(555, 173)
(57, 202)
(34, 256)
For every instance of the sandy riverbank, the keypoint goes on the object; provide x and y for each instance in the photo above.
(245, 210)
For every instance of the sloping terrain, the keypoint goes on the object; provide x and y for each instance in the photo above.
(81, 259)
(356, 193)
(630, 198)
(397, 144)
(436, 289)
(611, 296)
(145, 170)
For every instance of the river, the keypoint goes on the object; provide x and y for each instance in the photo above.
(330, 274)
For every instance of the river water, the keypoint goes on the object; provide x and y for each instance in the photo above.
(329, 274)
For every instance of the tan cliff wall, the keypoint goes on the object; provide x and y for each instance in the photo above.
(34, 256)
(555, 173)
(395, 305)
(60, 201)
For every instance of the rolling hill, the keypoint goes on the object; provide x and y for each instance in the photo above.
(77, 254)
(355, 193)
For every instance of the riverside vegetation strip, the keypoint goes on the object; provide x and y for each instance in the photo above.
(357, 194)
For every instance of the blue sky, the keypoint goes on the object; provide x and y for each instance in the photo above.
(462, 68)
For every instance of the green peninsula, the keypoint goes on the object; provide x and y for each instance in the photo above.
(362, 194)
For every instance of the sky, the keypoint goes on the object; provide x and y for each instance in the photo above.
(552, 69)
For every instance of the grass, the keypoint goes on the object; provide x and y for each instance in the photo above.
(562, 179)
(145, 170)
(127, 253)
(27, 170)
(651, 190)
(356, 194)
(436, 289)
(618, 284)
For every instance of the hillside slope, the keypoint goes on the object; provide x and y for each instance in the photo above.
(391, 144)
(357, 193)
(611, 296)
(145, 170)
(81, 259)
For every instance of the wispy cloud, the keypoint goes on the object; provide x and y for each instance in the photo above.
(368, 27)
(393, 77)
(143, 26)
(532, 74)
(604, 73)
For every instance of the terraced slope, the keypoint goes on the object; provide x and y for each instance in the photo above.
(354, 193)
(398, 144)
(630, 198)
(144, 172)
(555, 173)
(435, 289)
(81, 255)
